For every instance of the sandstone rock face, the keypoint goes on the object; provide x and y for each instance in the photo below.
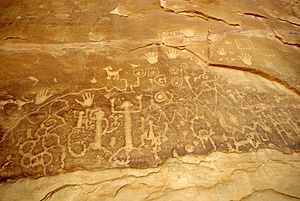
(150, 100)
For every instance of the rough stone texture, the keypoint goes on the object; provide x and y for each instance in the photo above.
(264, 175)
(109, 99)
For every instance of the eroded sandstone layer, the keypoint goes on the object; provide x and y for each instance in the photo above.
(264, 175)
(92, 87)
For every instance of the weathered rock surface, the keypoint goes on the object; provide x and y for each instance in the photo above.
(88, 88)
(262, 175)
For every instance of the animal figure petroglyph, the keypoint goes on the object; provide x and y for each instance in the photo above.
(114, 75)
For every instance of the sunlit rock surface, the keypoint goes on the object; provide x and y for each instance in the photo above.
(150, 100)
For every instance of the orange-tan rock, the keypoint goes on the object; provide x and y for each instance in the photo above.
(162, 99)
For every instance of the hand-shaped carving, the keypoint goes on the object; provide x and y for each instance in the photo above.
(221, 51)
(42, 96)
(172, 53)
(246, 58)
(151, 57)
(88, 99)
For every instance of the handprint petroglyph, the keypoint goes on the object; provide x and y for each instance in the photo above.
(221, 51)
(172, 53)
(246, 58)
(42, 96)
(88, 99)
(151, 57)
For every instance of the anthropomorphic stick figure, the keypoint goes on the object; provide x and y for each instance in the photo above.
(98, 116)
(127, 111)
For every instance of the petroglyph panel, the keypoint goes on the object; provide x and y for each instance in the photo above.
(162, 102)
(101, 86)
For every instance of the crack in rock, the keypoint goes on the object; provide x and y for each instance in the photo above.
(196, 13)
(259, 73)
(276, 35)
(266, 190)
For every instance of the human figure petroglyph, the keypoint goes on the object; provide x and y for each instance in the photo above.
(42, 96)
(82, 125)
(149, 133)
(127, 111)
(206, 135)
(112, 75)
(187, 80)
(98, 116)
(94, 124)
(151, 57)
(79, 118)
(88, 99)
(201, 128)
